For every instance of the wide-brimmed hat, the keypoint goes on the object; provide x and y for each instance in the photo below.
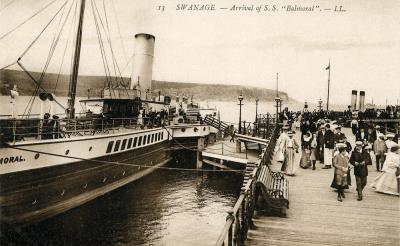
(359, 143)
(390, 135)
(285, 127)
(377, 127)
(338, 127)
(290, 133)
(341, 145)
(368, 147)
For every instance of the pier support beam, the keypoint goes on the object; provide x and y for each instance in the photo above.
(200, 148)
(238, 146)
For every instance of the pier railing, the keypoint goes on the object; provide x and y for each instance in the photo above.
(239, 219)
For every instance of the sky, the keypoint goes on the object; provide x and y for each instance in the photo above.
(229, 47)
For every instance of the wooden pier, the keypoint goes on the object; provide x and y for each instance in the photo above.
(315, 216)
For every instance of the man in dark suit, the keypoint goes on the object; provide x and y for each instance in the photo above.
(339, 135)
(329, 141)
(362, 135)
(375, 133)
(357, 159)
(321, 143)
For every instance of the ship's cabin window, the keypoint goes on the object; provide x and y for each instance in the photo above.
(162, 135)
(120, 108)
(148, 139)
(152, 137)
(117, 145)
(123, 144)
(140, 141)
(134, 142)
(109, 147)
(129, 143)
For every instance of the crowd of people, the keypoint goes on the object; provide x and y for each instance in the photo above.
(322, 140)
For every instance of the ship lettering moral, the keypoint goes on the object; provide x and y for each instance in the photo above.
(12, 159)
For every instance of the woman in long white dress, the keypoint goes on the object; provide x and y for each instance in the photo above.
(386, 182)
(291, 148)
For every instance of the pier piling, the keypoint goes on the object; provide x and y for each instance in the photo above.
(200, 148)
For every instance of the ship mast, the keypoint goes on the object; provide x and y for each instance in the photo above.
(75, 68)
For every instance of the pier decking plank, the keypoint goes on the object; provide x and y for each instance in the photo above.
(226, 150)
(315, 216)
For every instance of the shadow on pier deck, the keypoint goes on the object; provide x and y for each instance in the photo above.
(315, 216)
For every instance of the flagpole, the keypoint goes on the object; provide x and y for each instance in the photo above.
(329, 80)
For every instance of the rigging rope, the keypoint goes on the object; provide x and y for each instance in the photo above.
(26, 50)
(8, 4)
(107, 34)
(64, 52)
(119, 30)
(9, 65)
(25, 21)
(53, 46)
(102, 51)
(115, 63)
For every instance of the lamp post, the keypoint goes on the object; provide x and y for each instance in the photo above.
(256, 122)
(278, 103)
(240, 112)
(256, 109)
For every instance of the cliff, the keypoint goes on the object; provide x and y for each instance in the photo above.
(199, 91)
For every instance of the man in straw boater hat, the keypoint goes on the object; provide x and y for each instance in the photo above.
(358, 160)
(375, 133)
(281, 143)
(339, 135)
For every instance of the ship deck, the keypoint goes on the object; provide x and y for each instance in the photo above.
(315, 216)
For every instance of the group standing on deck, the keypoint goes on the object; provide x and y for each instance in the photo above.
(323, 141)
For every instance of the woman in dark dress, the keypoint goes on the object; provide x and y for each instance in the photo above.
(305, 161)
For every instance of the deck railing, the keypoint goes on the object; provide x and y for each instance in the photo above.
(239, 219)
(13, 130)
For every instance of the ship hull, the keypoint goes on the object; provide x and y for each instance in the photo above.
(39, 190)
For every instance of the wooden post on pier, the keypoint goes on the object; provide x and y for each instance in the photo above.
(238, 146)
(200, 147)
(219, 133)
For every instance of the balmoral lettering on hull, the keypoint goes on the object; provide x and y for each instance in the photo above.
(195, 7)
(12, 159)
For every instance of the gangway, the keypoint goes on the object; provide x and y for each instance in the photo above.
(216, 123)
(247, 138)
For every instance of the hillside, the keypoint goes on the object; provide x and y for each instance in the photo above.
(199, 91)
